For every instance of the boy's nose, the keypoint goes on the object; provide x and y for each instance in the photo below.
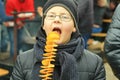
(57, 19)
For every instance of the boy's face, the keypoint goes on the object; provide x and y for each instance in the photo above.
(59, 19)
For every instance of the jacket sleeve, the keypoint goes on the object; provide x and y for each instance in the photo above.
(112, 43)
(100, 73)
(17, 73)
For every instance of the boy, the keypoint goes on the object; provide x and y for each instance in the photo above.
(72, 62)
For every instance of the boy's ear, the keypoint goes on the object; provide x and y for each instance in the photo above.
(74, 29)
(40, 10)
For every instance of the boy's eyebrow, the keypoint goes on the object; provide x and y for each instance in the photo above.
(55, 13)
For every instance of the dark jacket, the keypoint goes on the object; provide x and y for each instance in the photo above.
(98, 13)
(112, 43)
(90, 66)
(85, 13)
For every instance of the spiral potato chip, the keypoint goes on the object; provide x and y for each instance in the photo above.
(47, 67)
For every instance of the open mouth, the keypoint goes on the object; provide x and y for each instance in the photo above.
(57, 30)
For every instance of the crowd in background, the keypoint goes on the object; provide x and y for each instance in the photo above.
(91, 14)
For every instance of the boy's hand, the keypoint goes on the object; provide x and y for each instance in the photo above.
(40, 11)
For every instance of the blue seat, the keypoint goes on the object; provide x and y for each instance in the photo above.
(96, 30)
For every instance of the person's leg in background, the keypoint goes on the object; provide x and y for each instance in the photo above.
(11, 39)
(86, 38)
(0, 38)
(98, 18)
(3, 39)
(19, 40)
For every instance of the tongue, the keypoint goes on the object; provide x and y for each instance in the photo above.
(57, 30)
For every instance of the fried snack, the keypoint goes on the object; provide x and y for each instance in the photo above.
(47, 67)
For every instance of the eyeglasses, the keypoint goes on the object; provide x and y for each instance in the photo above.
(63, 17)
